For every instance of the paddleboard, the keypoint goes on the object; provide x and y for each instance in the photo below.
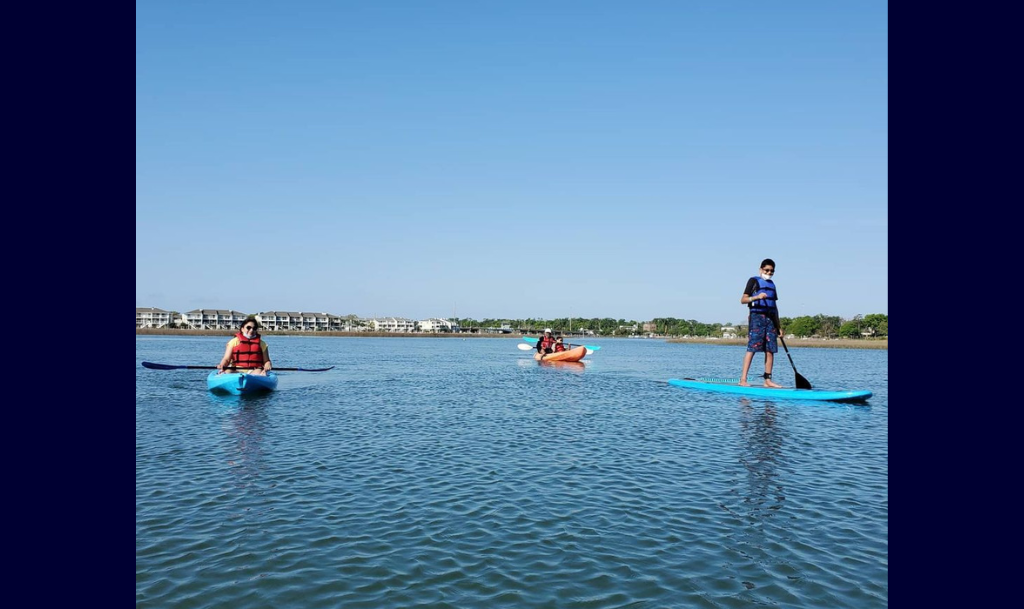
(785, 393)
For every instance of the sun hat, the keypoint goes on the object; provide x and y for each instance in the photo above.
(547, 330)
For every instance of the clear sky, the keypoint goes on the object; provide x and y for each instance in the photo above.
(511, 159)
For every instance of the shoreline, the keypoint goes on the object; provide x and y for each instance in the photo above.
(795, 343)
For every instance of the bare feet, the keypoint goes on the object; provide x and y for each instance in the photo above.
(743, 384)
(771, 383)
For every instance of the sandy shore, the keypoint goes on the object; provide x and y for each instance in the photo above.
(794, 343)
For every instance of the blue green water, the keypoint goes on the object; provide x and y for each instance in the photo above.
(461, 473)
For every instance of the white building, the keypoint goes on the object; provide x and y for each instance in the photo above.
(437, 324)
(152, 318)
(392, 324)
(302, 321)
(213, 319)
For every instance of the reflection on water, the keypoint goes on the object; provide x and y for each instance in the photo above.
(441, 472)
(761, 452)
(244, 424)
(577, 367)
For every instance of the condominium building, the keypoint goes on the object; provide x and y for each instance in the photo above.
(306, 322)
(436, 324)
(213, 319)
(152, 317)
(392, 324)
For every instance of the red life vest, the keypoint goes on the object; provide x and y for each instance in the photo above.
(248, 353)
(559, 347)
(546, 343)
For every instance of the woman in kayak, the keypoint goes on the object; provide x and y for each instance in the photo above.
(546, 344)
(763, 321)
(246, 350)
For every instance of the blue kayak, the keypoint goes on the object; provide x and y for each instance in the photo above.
(238, 383)
(784, 393)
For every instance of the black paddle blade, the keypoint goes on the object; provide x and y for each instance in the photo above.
(801, 382)
(154, 366)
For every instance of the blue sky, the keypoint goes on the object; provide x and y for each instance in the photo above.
(511, 159)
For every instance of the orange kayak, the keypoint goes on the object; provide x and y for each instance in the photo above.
(571, 355)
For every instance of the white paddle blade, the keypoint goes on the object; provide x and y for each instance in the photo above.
(525, 347)
(590, 351)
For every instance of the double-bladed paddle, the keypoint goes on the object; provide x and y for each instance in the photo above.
(590, 348)
(526, 347)
(173, 367)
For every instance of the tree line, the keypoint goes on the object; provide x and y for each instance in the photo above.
(823, 326)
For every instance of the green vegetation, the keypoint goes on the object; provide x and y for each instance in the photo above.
(875, 325)
(823, 326)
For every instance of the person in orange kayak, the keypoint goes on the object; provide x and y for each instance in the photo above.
(246, 351)
(559, 345)
(547, 343)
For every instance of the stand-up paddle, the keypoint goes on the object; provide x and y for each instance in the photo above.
(801, 382)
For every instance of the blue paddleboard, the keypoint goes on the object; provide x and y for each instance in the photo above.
(784, 393)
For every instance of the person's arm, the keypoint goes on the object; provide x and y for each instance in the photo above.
(224, 361)
(267, 366)
(750, 292)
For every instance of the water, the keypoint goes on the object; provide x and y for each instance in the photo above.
(461, 473)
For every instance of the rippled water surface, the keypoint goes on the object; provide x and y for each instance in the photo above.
(455, 472)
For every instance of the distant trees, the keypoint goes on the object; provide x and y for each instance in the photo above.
(824, 326)
(875, 324)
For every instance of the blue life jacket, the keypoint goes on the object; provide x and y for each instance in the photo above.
(768, 304)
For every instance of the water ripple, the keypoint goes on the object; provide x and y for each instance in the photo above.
(446, 473)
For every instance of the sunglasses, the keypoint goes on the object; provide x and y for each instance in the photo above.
(769, 271)
(249, 328)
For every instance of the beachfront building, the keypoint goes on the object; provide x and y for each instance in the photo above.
(303, 321)
(392, 324)
(152, 317)
(213, 319)
(436, 324)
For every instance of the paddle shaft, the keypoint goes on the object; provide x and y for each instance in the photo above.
(526, 347)
(534, 342)
(801, 382)
(155, 366)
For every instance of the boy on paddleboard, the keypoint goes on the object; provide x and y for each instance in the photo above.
(763, 328)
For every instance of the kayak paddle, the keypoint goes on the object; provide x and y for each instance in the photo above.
(172, 367)
(590, 348)
(526, 347)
